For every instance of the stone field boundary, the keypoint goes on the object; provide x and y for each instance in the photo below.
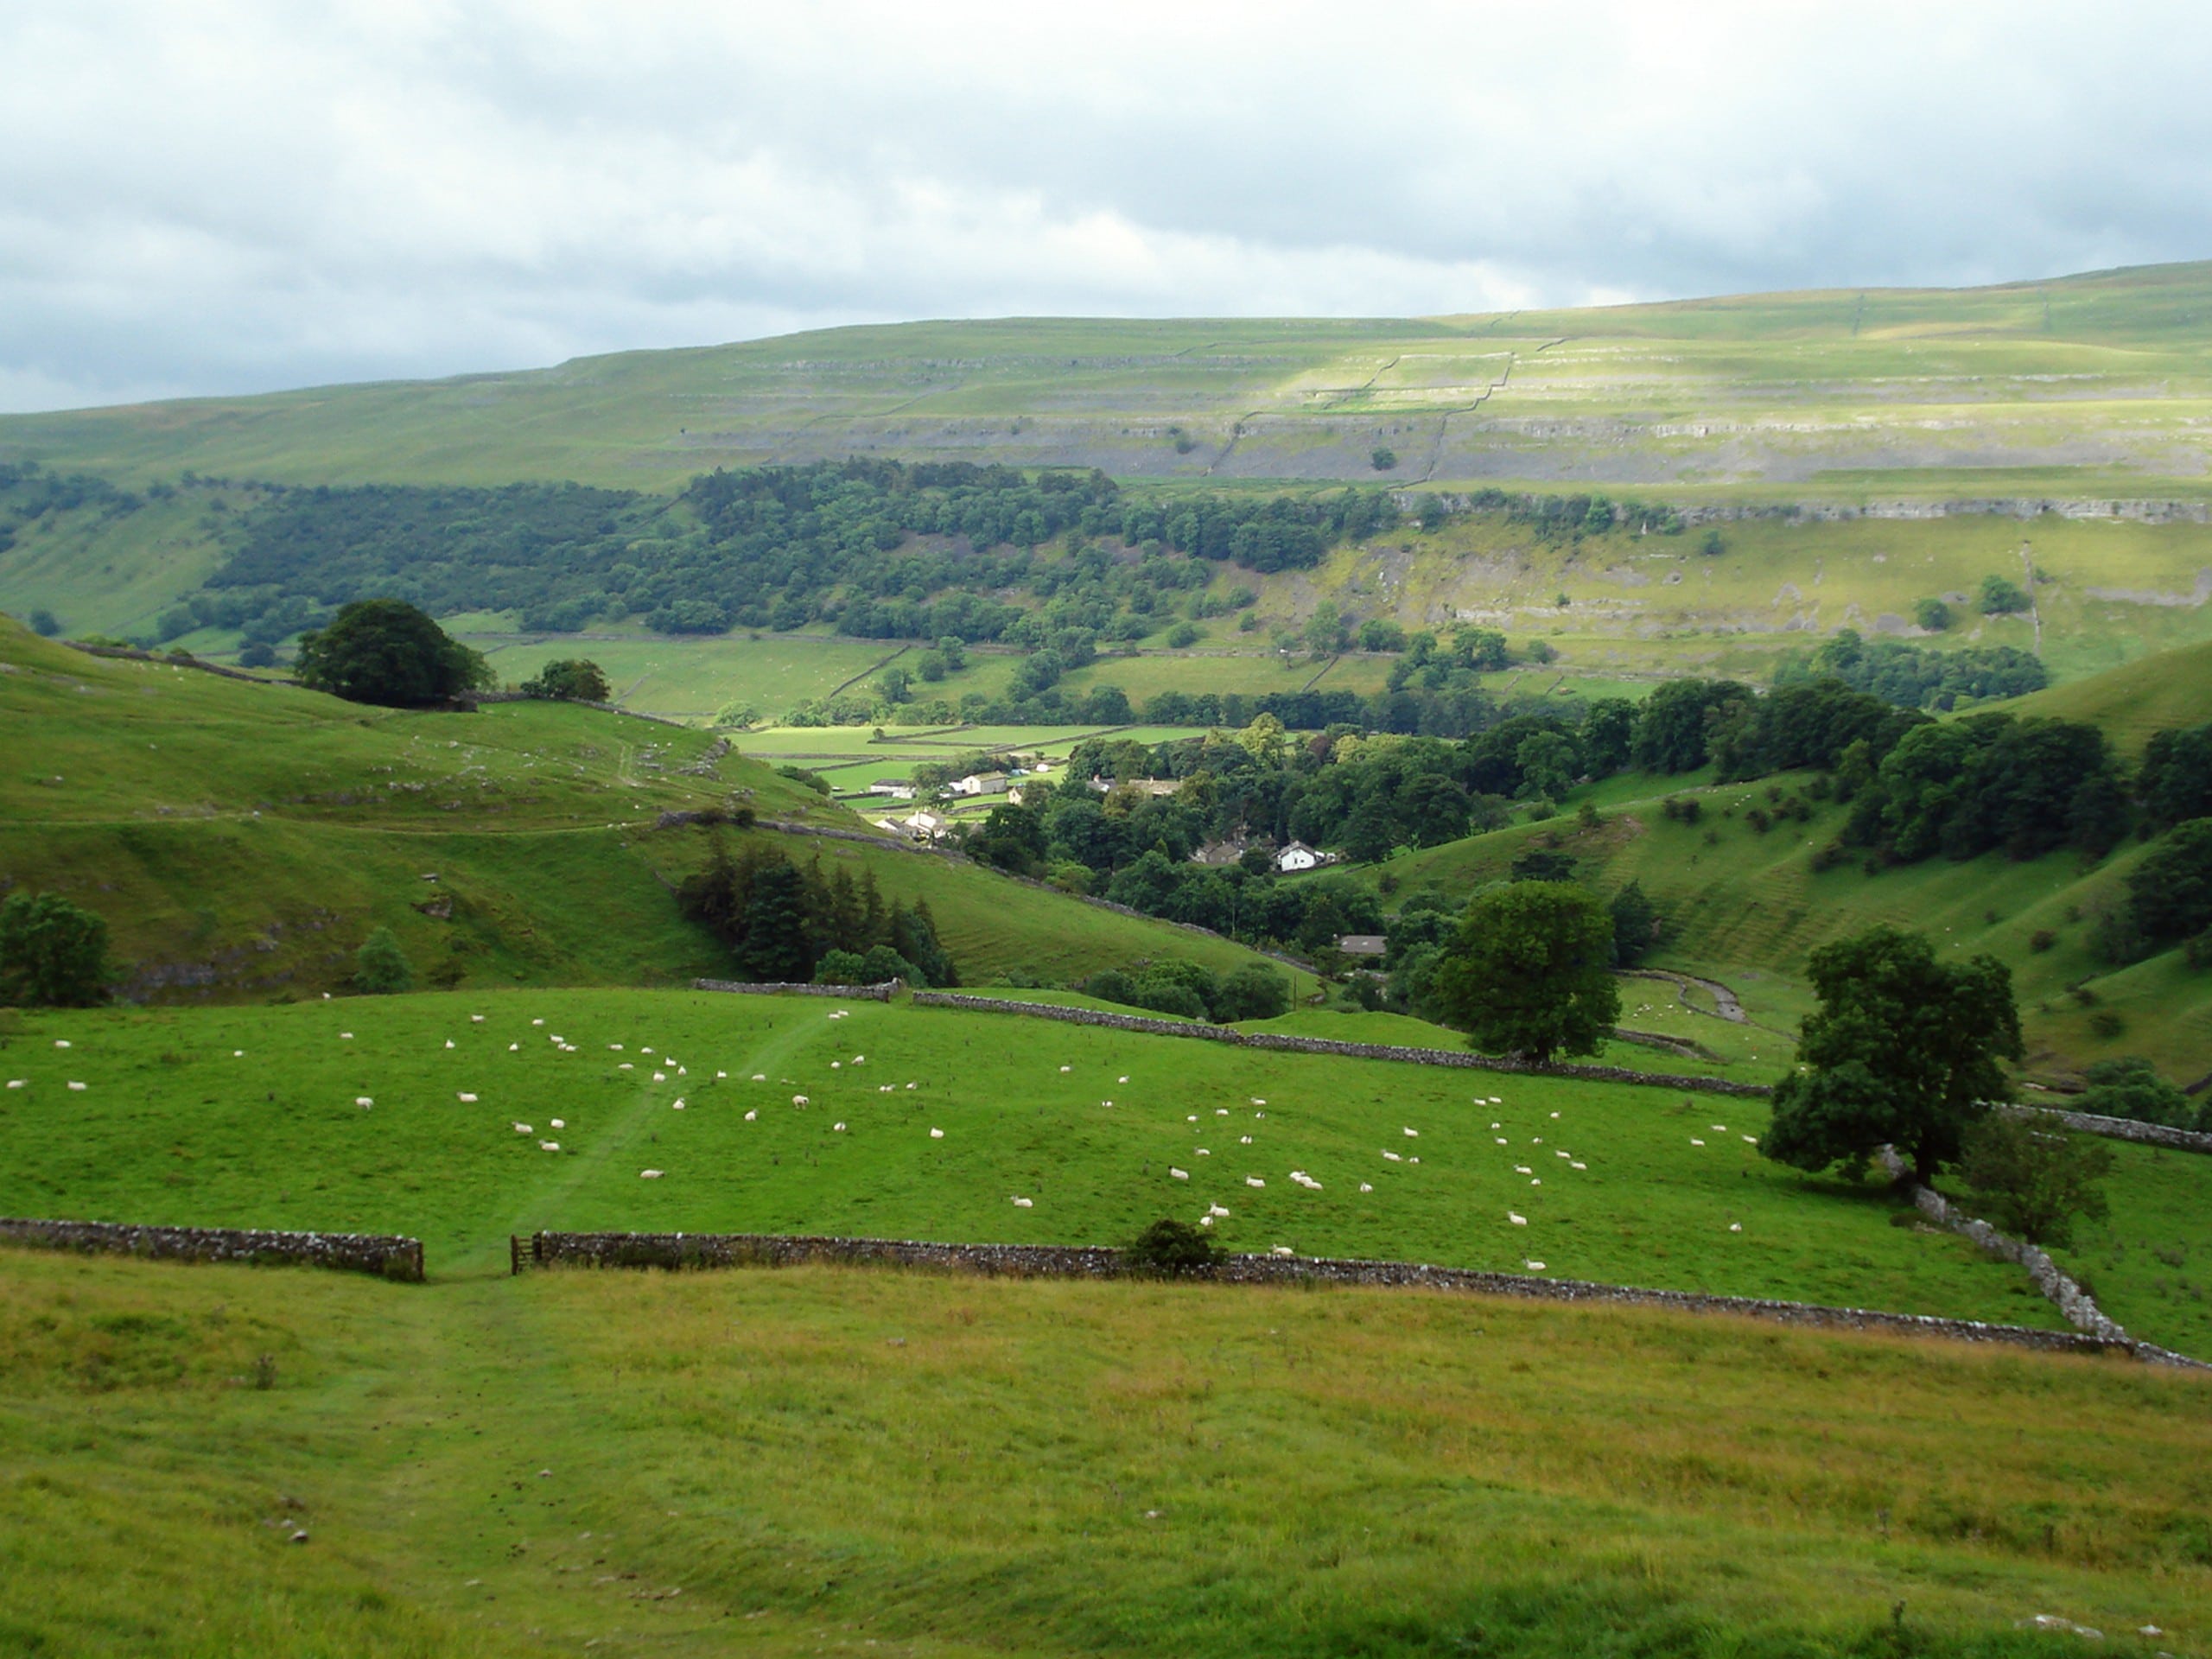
(702, 1251)
(386, 1256)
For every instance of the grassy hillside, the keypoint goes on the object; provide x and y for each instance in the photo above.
(2091, 385)
(812, 1461)
(241, 839)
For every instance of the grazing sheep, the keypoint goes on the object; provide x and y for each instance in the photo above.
(1735, 1226)
(1696, 1141)
(475, 1018)
(1178, 1174)
(749, 1116)
(1367, 1186)
(1518, 1220)
(364, 1101)
(548, 1146)
(649, 1174)
(448, 1042)
(63, 1042)
(1282, 1250)
(77, 1088)
(1535, 1266)
(514, 1048)
(524, 1129)
(936, 1134)
(760, 1077)
(1577, 1164)
(837, 1128)
(345, 1036)
(1254, 1180)
(560, 1123)
(798, 1100)
(15, 1083)
(466, 1099)
(1023, 1204)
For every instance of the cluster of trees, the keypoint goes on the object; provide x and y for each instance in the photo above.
(571, 679)
(776, 547)
(1252, 992)
(53, 953)
(1916, 676)
(387, 651)
(785, 923)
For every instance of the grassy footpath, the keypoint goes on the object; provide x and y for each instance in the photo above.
(815, 1461)
(175, 1124)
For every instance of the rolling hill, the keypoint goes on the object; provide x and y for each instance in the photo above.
(2084, 386)
(242, 838)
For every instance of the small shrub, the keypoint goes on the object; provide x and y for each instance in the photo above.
(2032, 1177)
(1829, 857)
(1167, 1249)
(53, 953)
(1759, 818)
(1588, 816)
(380, 967)
(2041, 940)
(2107, 1024)
(1932, 614)
(2197, 953)
(1382, 459)
(1539, 810)
(1182, 636)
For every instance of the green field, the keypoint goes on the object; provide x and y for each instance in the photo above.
(175, 1123)
(813, 1461)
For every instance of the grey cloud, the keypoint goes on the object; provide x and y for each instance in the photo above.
(250, 195)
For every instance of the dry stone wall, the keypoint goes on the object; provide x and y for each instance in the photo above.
(682, 1250)
(1284, 1041)
(864, 993)
(386, 1256)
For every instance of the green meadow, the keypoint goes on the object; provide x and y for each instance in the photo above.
(250, 1118)
(812, 1461)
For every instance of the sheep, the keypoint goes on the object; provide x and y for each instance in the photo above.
(1535, 1267)
(1067, 1068)
(760, 1077)
(1282, 1250)
(1218, 1112)
(1696, 1141)
(1243, 1140)
(61, 1042)
(1254, 1180)
(1577, 1164)
(1414, 1133)
(1206, 1221)
(1393, 1157)
(448, 1042)
(364, 1101)
(465, 1098)
(1367, 1186)
(721, 1076)
(837, 1128)
(1518, 1220)
(798, 1100)
(613, 1048)
(1735, 1226)
(660, 1077)
(524, 1129)
(1720, 1128)
(649, 1174)
(77, 1088)
(238, 1053)
(1023, 1204)
(749, 1116)
(835, 1065)
(859, 1059)
(537, 1022)
(935, 1134)
(625, 1066)
(1752, 1139)
(548, 1146)
(1203, 1153)
(1561, 1154)
(1178, 1174)
(1123, 1078)
(560, 1123)
(1218, 1209)
(345, 1036)
(1522, 1169)
(676, 1105)
(475, 1018)
(16, 1083)
(514, 1048)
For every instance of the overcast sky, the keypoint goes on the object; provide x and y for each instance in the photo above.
(228, 195)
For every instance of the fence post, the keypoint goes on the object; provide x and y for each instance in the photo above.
(514, 1256)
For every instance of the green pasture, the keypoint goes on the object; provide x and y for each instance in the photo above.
(693, 677)
(812, 1461)
(250, 1117)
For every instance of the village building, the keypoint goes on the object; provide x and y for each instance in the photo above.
(1296, 856)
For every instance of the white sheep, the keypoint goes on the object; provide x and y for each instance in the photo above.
(837, 1128)
(935, 1134)
(798, 1100)
(77, 1088)
(749, 1116)
(1023, 1204)
(1178, 1174)
(364, 1101)
(560, 1123)
(1735, 1226)
(1254, 1180)
(448, 1042)
(1518, 1220)
(548, 1146)
(1696, 1141)
(649, 1174)
(524, 1129)
(475, 1018)
(63, 1042)
(1367, 1186)
(1535, 1266)
(465, 1098)
(1577, 1164)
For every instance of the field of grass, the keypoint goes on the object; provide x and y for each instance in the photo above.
(175, 1123)
(691, 677)
(241, 840)
(815, 1461)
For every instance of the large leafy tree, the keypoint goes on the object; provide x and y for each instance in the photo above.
(1529, 972)
(385, 651)
(572, 679)
(52, 953)
(1903, 1052)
